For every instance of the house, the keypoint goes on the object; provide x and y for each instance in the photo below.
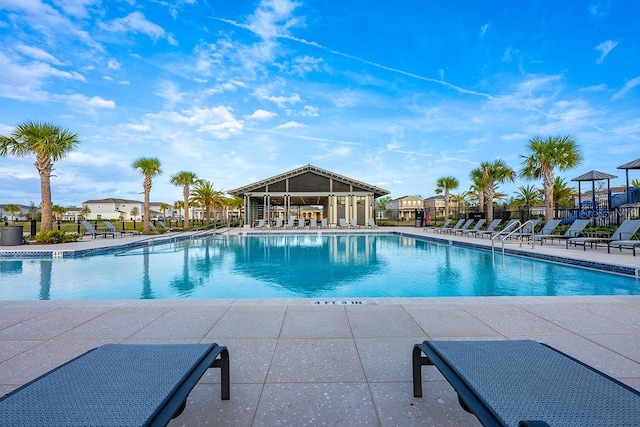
(434, 206)
(404, 208)
(115, 209)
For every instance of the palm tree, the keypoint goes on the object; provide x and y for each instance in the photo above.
(460, 200)
(49, 143)
(13, 209)
(444, 185)
(184, 179)
(85, 211)
(178, 205)
(476, 190)
(235, 204)
(527, 196)
(635, 183)
(149, 167)
(543, 156)
(163, 208)
(204, 194)
(563, 196)
(489, 175)
(58, 211)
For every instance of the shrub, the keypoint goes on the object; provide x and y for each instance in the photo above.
(56, 236)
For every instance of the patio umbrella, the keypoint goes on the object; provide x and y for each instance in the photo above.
(594, 176)
(635, 164)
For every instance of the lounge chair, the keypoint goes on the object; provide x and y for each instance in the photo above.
(627, 229)
(547, 229)
(445, 225)
(575, 230)
(624, 244)
(504, 231)
(372, 223)
(324, 223)
(260, 223)
(342, 223)
(93, 232)
(462, 228)
(490, 228)
(475, 228)
(353, 223)
(290, 223)
(115, 231)
(116, 384)
(164, 226)
(527, 230)
(301, 223)
(278, 223)
(526, 383)
(313, 223)
(456, 226)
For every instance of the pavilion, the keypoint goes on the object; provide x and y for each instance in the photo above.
(309, 192)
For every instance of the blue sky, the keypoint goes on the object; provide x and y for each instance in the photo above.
(395, 94)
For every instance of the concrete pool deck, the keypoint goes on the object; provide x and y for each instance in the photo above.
(297, 363)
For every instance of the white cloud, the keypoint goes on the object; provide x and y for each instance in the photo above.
(113, 64)
(309, 111)
(261, 115)
(483, 30)
(81, 102)
(135, 22)
(290, 125)
(627, 87)
(273, 18)
(37, 53)
(217, 121)
(605, 48)
(76, 8)
(281, 101)
(137, 127)
(170, 92)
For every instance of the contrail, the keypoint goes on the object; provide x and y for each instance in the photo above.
(364, 61)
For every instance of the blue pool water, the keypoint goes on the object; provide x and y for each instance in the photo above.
(318, 266)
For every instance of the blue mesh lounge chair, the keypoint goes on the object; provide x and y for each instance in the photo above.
(526, 383)
(475, 228)
(490, 228)
(260, 223)
(290, 223)
(279, 223)
(627, 229)
(624, 244)
(575, 230)
(164, 226)
(324, 223)
(445, 225)
(464, 227)
(342, 223)
(313, 223)
(116, 384)
(93, 232)
(112, 228)
(444, 229)
(353, 223)
(372, 223)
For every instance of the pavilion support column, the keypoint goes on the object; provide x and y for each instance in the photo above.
(287, 205)
(333, 210)
(247, 210)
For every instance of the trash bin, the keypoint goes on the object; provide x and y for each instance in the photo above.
(418, 223)
(11, 235)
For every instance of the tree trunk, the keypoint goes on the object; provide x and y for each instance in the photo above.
(145, 221)
(44, 167)
(185, 195)
(548, 195)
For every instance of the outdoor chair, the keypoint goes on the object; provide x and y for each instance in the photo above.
(526, 383)
(313, 223)
(372, 223)
(164, 226)
(116, 384)
(490, 228)
(260, 223)
(624, 244)
(279, 223)
(547, 229)
(93, 232)
(462, 228)
(115, 231)
(301, 223)
(575, 230)
(290, 223)
(444, 229)
(324, 223)
(353, 223)
(445, 225)
(475, 228)
(627, 229)
(342, 223)
(507, 228)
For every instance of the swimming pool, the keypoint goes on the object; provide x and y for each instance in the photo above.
(310, 266)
